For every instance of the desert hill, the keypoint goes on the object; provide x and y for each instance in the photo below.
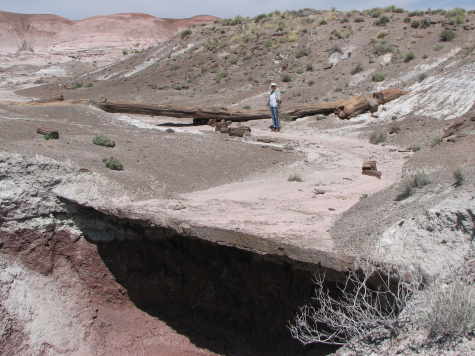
(51, 34)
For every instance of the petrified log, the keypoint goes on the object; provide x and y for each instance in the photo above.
(239, 131)
(50, 133)
(370, 169)
(345, 109)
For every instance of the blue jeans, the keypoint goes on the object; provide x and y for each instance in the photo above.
(275, 117)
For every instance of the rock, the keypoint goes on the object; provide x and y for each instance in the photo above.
(48, 133)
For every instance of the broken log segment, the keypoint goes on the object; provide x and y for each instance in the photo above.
(48, 133)
(345, 109)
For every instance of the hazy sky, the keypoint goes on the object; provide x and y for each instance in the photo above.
(76, 9)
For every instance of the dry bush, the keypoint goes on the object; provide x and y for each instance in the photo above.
(369, 298)
(450, 309)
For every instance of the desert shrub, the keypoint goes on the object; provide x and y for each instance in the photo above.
(394, 9)
(450, 309)
(77, 85)
(377, 137)
(260, 17)
(369, 297)
(323, 23)
(383, 47)
(415, 24)
(185, 34)
(221, 75)
(358, 68)
(345, 20)
(359, 19)
(420, 179)
(247, 107)
(113, 164)
(375, 13)
(53, 135)
(309, 67)
(407, 20)
(311, 83)
(447, 35)
(436, 141)
(103, 141)
(238, 20)
(459, 177)
(302, 52)
(405, 192)
(286, 78)
(416, 13)
(421, 77)
(294, 177)
(378, 77)
(426, 23)
(125, 52)
(381, 35)
(89, 85)
(438, 47)
(414, 148)
(382, 21)
(409, 57)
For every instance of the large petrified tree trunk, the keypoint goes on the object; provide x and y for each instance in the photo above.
(345, 109)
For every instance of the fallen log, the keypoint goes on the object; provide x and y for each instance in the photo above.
(345, 109)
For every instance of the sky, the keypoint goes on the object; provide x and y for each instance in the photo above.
(78, 9)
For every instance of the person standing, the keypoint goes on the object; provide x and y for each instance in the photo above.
(274, 101)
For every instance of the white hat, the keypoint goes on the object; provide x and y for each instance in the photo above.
(273, 84)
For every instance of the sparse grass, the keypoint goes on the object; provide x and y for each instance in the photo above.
(450, 309)
(113, 164)
(294, 177)
(409, 57)
(447, 36)
(185, 34)
(459, 177)
(377, 137)
(103, 141)
(378, 77)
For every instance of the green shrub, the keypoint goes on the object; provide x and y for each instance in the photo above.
(407, 20)
(295, 178)
(103, 141)
(459, 177)
(375, 13)
(113, 164)
(238, 20)
(77, 85)
(447, 35)
(416, 13)
(409, 57)
(436, 141)
(53, 135)
(323, 23)
(426, 23)
(382, 21)
(359, 19)
(415, 24)
(260, 17)
(185, 34)
(378, 77)
(377, 137)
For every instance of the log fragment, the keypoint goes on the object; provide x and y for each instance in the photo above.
(370, 169)
(48, 133)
